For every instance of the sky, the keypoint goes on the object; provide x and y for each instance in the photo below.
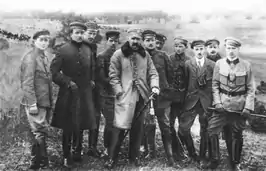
(169, 6)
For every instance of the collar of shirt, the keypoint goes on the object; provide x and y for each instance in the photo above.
(230, 59)
(202, 60)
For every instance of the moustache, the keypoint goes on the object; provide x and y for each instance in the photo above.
(213, 52)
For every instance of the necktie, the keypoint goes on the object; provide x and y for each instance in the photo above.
(199, 64)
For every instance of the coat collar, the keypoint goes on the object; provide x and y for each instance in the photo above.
(127, 50)
(214, 58)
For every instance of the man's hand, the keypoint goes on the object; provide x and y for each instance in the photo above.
(33, 109)
(219, 107)
(73, 85)
(155, 90)
(246, 113)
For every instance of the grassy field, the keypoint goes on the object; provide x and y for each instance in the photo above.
(14, 149)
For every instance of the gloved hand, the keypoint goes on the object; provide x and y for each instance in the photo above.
(155, 90)
(73, 85)
(33, 109)
(246, 113)
(219, 107)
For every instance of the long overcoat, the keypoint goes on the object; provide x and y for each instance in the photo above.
(73, 62)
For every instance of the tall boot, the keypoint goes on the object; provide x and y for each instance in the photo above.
(190, 147)
(35, 157)
(107, 135)
(150, 150)
(77, 146)
(167, 143)
(215, 153)
(44, 161)
(114, 147)
(177, 146)
(237, 145)
(227, 133)
(93, 137)
(203, 145)
(66, 144)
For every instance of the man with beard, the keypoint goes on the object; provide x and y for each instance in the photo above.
(89, 42)
(162, 105)
(106, 91)
(178, 83)
(198, 72)
(36, 84)
(72, 70)
(233, 87)
(212, 46)
(160, 41)
(133, 77)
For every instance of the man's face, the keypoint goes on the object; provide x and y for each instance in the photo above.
(199, 51)
(213, 49)
(134, 41)
(159, 44)
(90, 35)
(179, 48)
(42, 42)
(112, 43)
(77, 35)
(149, 42)
(231, 51)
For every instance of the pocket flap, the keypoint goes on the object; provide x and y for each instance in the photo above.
(241, 73)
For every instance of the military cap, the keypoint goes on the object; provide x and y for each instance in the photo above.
(180, 39)
(112, 33)
(232, 41)
(136, 31)
(77, 25)
(197, 42)
(92, 26)
(149, 33)
(161, 37)
(39, 33)
(212, 41)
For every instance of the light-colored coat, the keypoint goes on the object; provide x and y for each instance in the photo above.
(244, 79)
(123, 75)
(36, 82)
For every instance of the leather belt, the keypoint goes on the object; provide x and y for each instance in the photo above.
(239, 93)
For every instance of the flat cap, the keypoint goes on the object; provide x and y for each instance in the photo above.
(180, 40)
(92, 26)
(212, 41)
(232, 41)
(112, 33)
(39, 33)
(148, 33)
(197, 42)
(77, 25)
(161, 37)
(135, 31)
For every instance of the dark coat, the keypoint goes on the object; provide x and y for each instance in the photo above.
(177, 78)
(195, 77)
(73, 62)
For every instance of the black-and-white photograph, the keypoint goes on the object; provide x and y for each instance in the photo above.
(141, 85)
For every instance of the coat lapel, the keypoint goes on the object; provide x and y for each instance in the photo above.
(195, 66)
(203, 68)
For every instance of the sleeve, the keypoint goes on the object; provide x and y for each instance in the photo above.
(56, 66)
(101, 69)
(250, 99)
(115, 73)
(168, 66)
(28, 67)
(186, 67)
(152, 73)
(216, 84)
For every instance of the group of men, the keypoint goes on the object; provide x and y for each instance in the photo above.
(122, 83)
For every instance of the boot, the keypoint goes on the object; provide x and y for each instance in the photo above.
(177, 147)
(215, 153)
(237, 145)
(203, 148)
(150, 146)
(77, 146)
(66, 144)
(227, 133)
(93, 137)
(44, 162)
(35, 157)
(107, 135)
(114, 148)
(190, 147)
(167, 143)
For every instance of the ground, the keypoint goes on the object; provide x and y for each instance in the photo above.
(14, 147)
